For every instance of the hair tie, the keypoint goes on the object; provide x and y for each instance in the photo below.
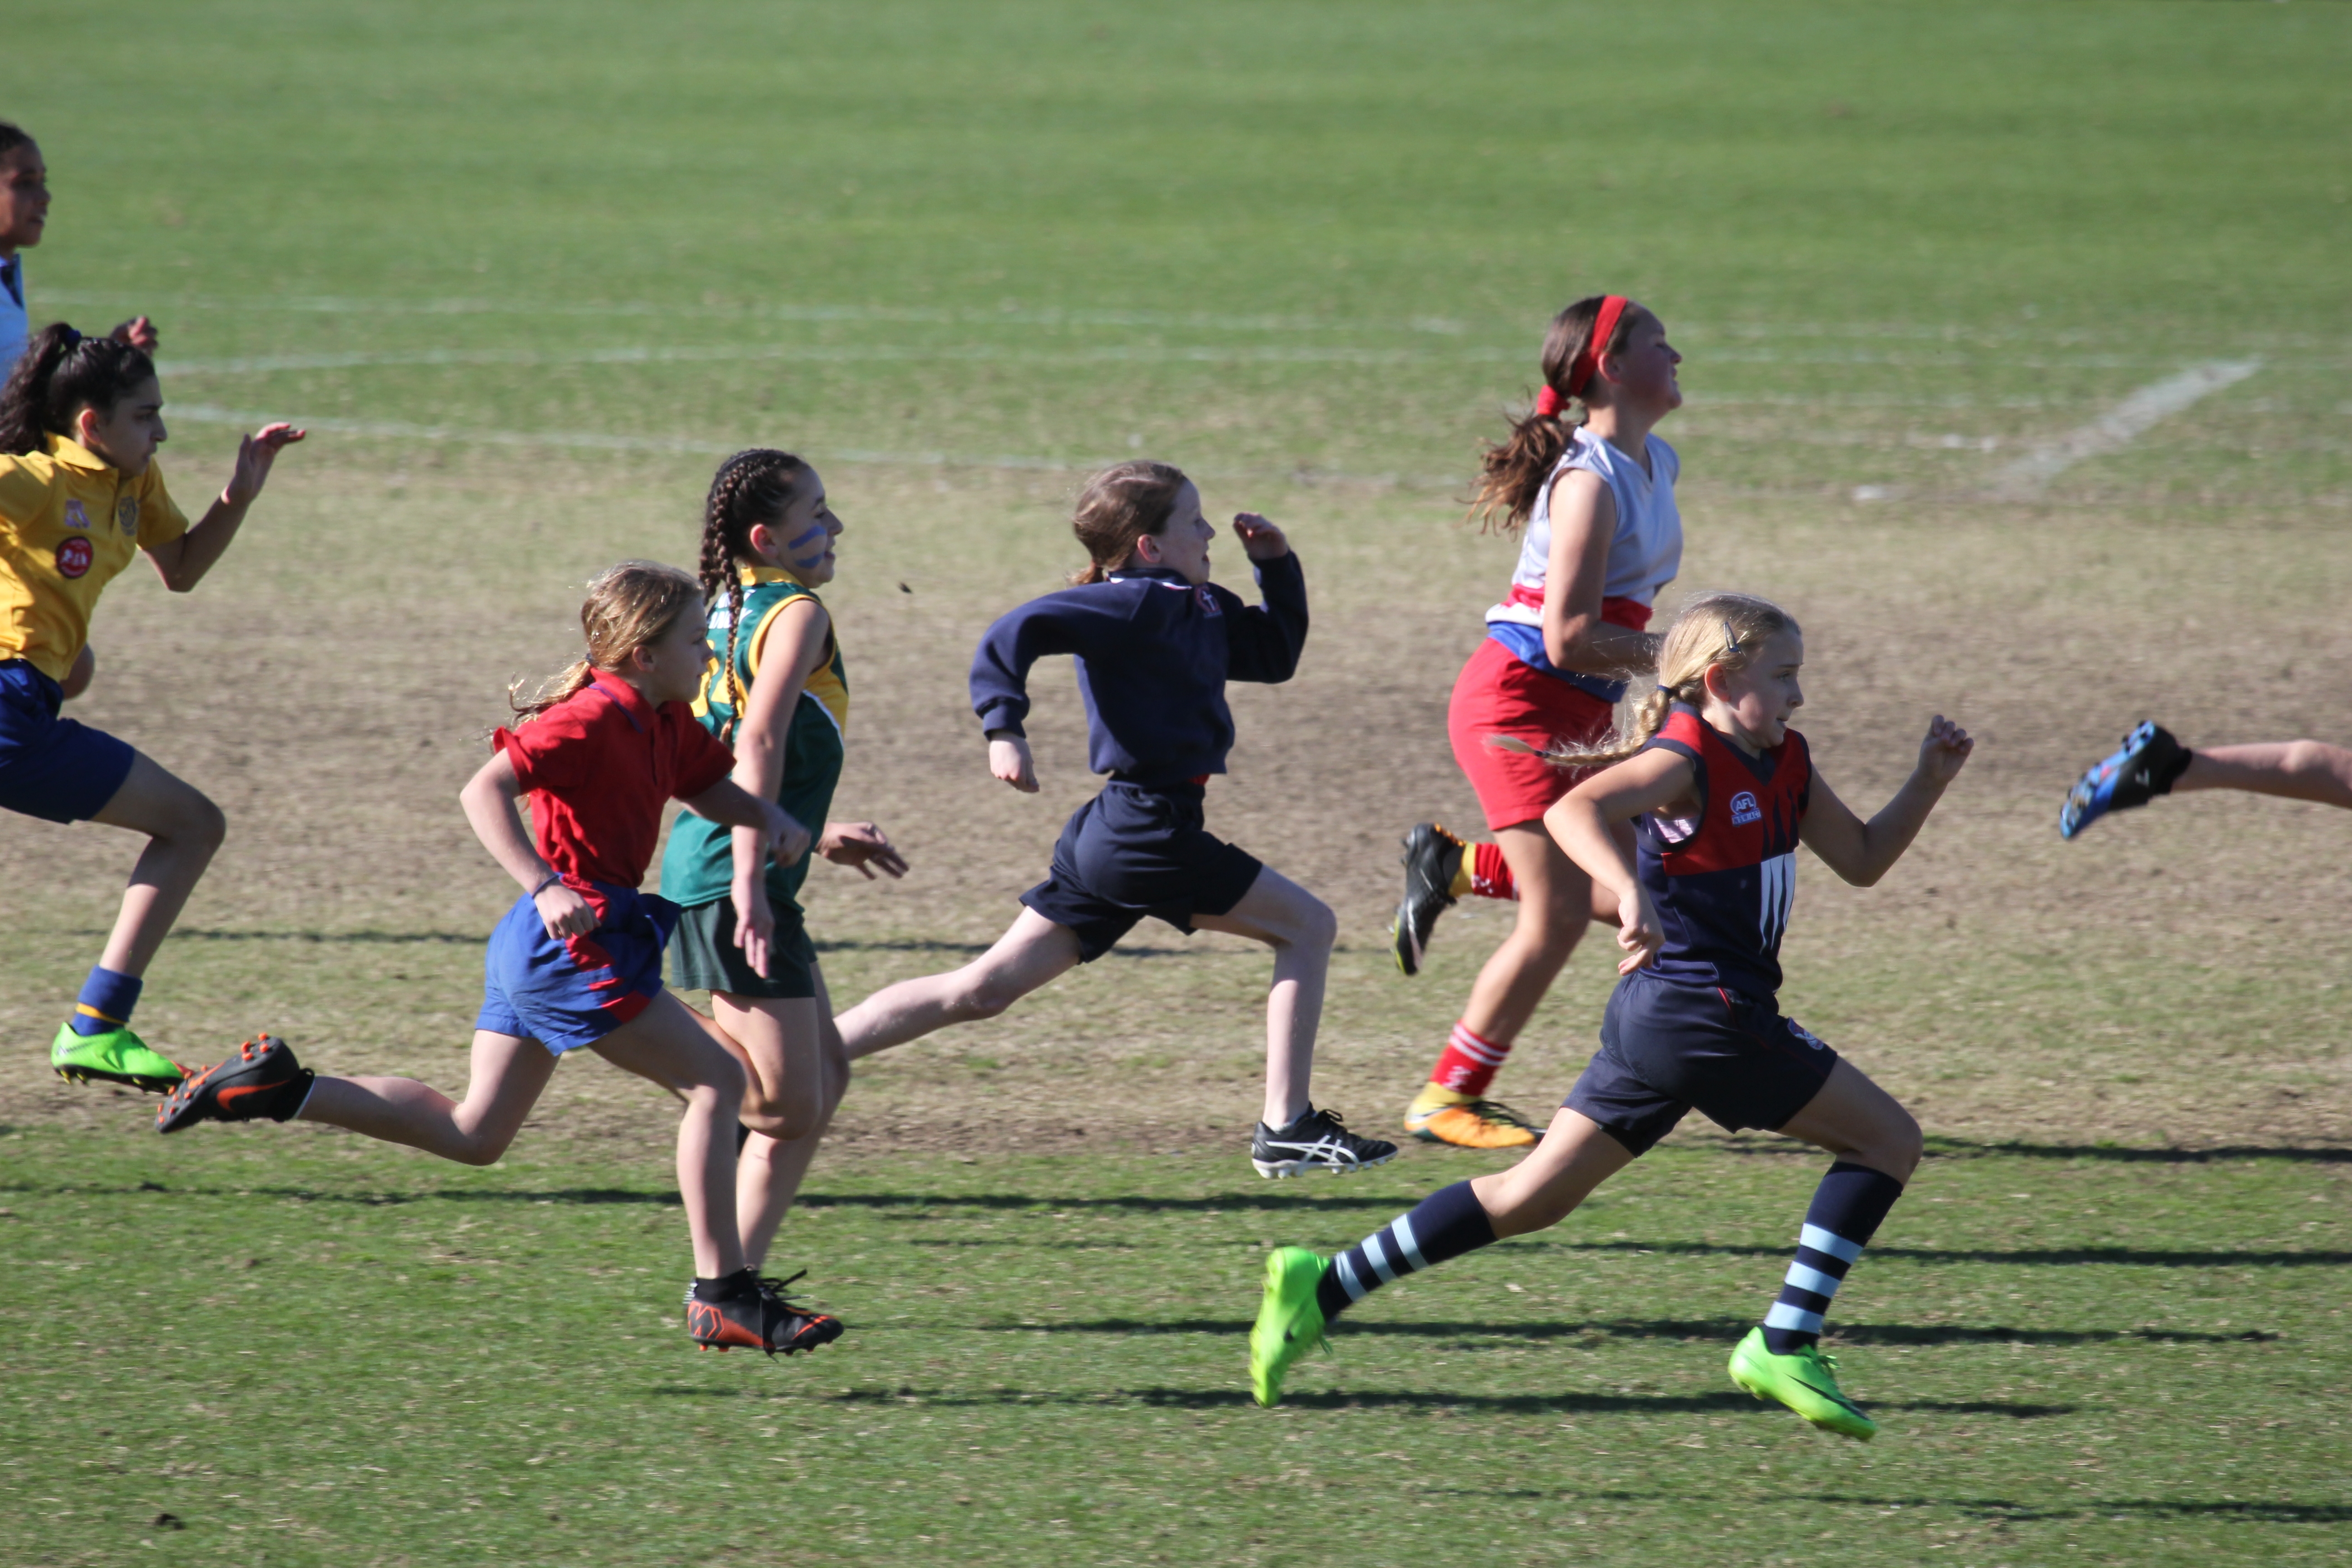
(1548, 403)
(73, 339)
(1605, 327)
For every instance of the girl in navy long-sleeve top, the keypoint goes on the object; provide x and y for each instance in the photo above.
(1155, 642)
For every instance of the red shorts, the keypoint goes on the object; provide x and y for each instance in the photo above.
(1497, 695)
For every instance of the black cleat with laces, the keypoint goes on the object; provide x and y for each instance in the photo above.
(1432, 859)
(752, 1313)
(263, 1080)
(1318, 1140)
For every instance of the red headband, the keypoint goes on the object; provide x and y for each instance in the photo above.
(1605, 327)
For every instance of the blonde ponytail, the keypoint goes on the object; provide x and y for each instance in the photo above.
(629, 606)
(1718, 631)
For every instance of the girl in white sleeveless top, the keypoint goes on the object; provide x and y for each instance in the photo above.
(1595, 503)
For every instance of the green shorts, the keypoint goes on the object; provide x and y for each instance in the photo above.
(703, 955)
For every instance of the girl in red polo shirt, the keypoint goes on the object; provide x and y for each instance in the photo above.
(1593, 503)
(577, 961)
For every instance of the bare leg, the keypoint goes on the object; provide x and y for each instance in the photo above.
(509, 1076)
(2298, 770)
(1575, 1156)
(1300, 927)
(672, 1045)
(1556, 901)
(1033, 953)
(1855, 1120)
(183, 831)
(775, 1158)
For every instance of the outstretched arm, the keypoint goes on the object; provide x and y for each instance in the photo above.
(1862, 852)
(1262, 641)
(1580, 823)
(182, 562)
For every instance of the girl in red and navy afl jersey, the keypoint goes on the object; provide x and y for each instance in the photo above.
(1600, 535)
(1720, 792)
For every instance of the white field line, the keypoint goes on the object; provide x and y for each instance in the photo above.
(2119, 426)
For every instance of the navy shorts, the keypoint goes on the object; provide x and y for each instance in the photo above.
(1134, 852)
(1666, 1047)
(60, 770)
(573, 993)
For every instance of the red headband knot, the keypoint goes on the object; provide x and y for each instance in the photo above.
(1605, 327)
(1548, 404)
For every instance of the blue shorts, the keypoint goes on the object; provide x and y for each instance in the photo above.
(573, 993)
(1667, 1047)
(1134, 852)
(59, 770)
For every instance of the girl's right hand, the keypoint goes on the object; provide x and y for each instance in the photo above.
(1638, 931)
(755, 922)
(565, 913)
(1008, 760)
(789, 839)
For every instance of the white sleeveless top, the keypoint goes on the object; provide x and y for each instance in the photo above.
(1645, 554)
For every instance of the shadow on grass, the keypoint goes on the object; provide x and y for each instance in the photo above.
(1961, 1149)
(1981, 1507)
(1724, 1329)
(1339, 1399)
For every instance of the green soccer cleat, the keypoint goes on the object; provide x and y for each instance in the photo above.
(118, 1055)
(1805, 1382)
(1288, 1324)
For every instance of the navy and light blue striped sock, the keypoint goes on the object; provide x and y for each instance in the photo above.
(1446, 1224)
(1845, 1214)
(105, 1001)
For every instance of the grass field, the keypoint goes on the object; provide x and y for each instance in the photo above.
(528, 270)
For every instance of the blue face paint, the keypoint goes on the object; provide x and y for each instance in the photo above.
(816, 534)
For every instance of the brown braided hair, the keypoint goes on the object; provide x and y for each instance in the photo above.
(753, 486)
(1513, 471)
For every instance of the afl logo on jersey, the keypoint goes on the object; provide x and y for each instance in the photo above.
(1743, 808)
(74, 556)
(1207, 601)
(76, 518)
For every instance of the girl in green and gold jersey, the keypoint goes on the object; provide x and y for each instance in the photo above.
(778, 692)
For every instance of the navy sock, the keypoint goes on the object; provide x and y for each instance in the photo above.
(1845, 1214)
(1446, 1224)
(105, 1001)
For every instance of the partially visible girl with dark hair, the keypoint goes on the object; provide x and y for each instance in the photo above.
(1592, 500)
(1155, 642)
(80, 493)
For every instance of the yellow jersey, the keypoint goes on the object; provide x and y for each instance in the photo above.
(69, 521)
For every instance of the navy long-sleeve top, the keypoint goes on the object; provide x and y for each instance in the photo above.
(1153, 654)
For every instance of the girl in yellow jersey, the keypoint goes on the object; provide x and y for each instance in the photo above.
(79, 494)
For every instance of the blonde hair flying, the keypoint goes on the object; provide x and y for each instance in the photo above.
(629, 606)
(1718, 631)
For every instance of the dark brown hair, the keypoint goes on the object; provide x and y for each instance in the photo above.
(751, 487)
(1119, 505)
(1513, 471)
(12, 136)
(629, 606)
(61, 373)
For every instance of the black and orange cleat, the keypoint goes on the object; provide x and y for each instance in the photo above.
(262, 1080)
(752, 1313)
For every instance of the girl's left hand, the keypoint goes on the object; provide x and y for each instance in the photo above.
(864, 848)
(755, 922)
(255, 454)
(1944, 751)
(1261, 540)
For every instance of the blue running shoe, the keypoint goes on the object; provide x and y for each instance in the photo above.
(2146, 767)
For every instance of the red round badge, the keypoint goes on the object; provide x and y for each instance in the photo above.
(74, 556)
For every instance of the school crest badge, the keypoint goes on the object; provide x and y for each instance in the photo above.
(76, 518)
(1207, 601)
(126, 514)
(74, 556)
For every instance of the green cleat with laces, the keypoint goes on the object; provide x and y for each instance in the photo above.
(1289, 1323)
(116, 1056)
(1806, 1382)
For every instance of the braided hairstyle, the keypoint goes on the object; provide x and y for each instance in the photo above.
(61, 373)
(1513, 471)
(751, 487)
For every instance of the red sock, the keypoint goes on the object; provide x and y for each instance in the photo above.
(1490, 874)
(1470, 1062)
